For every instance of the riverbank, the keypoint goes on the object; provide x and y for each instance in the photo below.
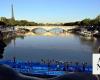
(86, 31)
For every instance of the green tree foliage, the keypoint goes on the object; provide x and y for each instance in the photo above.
(85, 22)
(97, 20)
(72, 23)
(11, 22)
(2, 23)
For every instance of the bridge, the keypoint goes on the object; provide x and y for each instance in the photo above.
(47, 28)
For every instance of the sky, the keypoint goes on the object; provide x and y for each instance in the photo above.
(51, 11)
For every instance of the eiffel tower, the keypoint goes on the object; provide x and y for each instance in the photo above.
(12, 13)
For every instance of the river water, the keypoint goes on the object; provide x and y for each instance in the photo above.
(48, 45)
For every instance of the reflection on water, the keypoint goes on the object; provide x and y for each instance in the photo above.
(91, 41)
(59, 46)
(45, 34)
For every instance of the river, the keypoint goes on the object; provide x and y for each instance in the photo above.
(48, 45)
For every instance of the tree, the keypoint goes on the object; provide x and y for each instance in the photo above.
(12, 22)
(97, 20)
(3, 19)
(85, 22)
(2, 23)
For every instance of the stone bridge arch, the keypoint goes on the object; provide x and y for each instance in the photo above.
(57, 30)
(41, 30)
(47, 28)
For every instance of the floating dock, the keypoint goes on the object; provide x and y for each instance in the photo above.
(36, 68)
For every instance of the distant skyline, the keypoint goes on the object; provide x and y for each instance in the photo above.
(51, 11)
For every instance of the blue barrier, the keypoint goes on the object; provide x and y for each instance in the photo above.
(39, 68)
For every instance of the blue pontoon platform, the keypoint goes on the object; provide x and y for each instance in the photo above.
(36, 68)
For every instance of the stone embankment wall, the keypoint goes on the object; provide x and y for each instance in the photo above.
(7, 35)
